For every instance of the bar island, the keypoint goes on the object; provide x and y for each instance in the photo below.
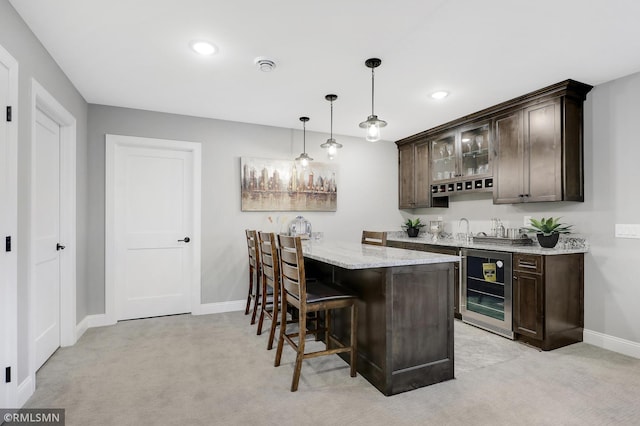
(405, 310)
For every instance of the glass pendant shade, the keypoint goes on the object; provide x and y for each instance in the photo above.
(304, 158)
(373, 124)
(331, 145)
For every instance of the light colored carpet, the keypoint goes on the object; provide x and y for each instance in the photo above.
(214, 370)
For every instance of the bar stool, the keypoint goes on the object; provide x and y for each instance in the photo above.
(374, 238)
(254, 270)
(307, 297)
(270, 283)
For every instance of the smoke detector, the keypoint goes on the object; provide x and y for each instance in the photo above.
(264, 64)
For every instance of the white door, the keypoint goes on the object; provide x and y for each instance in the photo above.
(153, 225)
(47, 247)
(8, 229)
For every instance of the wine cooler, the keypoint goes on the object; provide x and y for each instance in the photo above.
(486, 290)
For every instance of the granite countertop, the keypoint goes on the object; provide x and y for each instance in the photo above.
(351, 255)
(566, 245)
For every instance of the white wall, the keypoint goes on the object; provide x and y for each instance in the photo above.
(367, 189)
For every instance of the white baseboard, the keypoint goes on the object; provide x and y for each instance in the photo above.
(90, 321)
(25, 390)
(625, 347)
(101, 320)
(219, 307)
(82, 327)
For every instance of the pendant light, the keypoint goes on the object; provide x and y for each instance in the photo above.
(331, 145)
(304, 158)
(373, 124)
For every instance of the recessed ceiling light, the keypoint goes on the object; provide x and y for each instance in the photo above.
(440, 95)
(203, 47)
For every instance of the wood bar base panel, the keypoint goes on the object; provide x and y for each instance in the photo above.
(405, 322)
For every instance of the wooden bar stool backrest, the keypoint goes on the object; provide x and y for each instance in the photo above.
(311, 297)
(293, 276)
(374, 238)
(255, 270)
(270, 282)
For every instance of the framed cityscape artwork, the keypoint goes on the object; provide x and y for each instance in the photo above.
(284, 185)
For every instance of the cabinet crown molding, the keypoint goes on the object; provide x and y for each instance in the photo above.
(567, 88)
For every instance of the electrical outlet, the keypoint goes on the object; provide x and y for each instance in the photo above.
(527, 221)
(627, 230)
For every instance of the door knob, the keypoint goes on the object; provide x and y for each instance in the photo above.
(186, 240)
(59, 247)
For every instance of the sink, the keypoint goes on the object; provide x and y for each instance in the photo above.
(523, 240)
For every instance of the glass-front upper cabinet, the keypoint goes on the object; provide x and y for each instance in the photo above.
(474, 147)
(443, 158)
(461, 155)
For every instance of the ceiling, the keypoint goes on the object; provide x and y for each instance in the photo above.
(136, 54)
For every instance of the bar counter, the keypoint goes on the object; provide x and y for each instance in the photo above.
(405, 310)
(350, 255)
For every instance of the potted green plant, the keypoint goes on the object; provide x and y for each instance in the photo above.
(548, 230)
(413, 227)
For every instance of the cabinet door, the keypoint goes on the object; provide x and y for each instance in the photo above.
(528, 304)
(474, 151)
(443, 158)
(422, 188)
(406, 176)
(543, 152)
(508, 159)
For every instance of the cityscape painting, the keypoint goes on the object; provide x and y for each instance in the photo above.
(284, 185)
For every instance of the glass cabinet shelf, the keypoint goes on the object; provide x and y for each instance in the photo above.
(460, 155)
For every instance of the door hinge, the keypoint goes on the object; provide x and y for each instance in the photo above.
(8, 113)
(7, 243)
(7, 375)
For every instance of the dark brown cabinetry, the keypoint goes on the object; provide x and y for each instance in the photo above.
(454, 251)
(405, 324)
(406, 176)
(460, 160)
(528, 149)
(538, 151)
(413, 177)
(548, 296)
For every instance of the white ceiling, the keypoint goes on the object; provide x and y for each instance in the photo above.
(134, 53)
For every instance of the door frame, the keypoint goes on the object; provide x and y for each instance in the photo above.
(42, 100)
(9, 299)
(112, 143)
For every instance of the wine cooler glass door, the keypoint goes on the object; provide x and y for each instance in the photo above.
(487, 291)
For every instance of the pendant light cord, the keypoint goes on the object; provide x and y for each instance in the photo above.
(331, 119)
(372, 89)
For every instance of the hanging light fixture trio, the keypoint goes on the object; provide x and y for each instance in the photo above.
(304, 157)
(331, 145)
(373, 124)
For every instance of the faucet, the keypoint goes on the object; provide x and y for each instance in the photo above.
(466, 234)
